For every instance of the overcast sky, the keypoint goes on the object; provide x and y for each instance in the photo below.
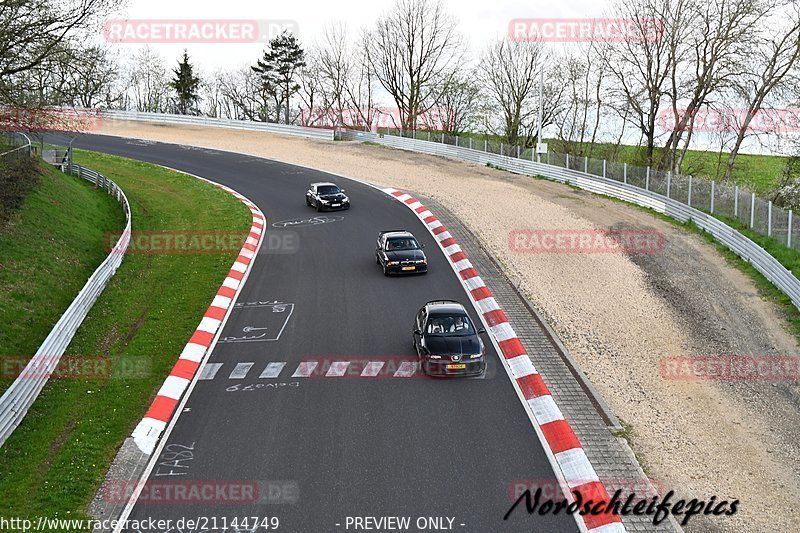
(479, 20)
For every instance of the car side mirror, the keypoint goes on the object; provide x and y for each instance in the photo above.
(341, 190)
(481, 331)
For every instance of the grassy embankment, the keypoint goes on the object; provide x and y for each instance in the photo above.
(55, 461)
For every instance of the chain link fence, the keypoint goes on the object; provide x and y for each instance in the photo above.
(719, 199)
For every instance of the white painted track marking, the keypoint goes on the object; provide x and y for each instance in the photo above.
(337, 369)
(273, 370)
(305, 369)
(406, 370)
(210, 370)
(372, 369)
(241, 370)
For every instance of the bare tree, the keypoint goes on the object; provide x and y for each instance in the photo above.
(413, 51)
(771, 68)
(508, 70)
(717, 39)
(91, 77)
(31, 31)
(245, 97)
(460, 104)
(640, 64)
(149, 82)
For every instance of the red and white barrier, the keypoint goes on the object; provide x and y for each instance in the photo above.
(558, 439)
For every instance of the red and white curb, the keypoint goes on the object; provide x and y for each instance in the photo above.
(570, 463)
(149, 430)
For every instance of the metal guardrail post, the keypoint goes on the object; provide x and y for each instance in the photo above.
(470, 143)
(769, 219)
(624, 172)
(517, 151)
(457, 141)
(604, 168)
(501, 149)
(735, 241)
(669, 182)
(586, 164)
(752, 209)
(789, 231)
(689, 198)
(712, 196)
(736, 201)
(485, 142)
(647, 180)
(17, 399)
(566, 164)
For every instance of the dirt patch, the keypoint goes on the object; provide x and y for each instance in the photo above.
(620, 316)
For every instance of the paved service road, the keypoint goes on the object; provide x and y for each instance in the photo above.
(341, 445)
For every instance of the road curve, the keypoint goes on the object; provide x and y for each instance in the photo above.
(324, 448)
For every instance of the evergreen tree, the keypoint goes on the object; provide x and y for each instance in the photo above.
(186, 85)
(279, 68)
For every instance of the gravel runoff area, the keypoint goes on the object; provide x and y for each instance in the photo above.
(619, 315)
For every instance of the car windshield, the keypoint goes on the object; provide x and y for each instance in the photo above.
(327, 189)
(406, 243)
(450, 326)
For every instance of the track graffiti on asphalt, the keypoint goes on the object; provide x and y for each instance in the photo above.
(266, 321)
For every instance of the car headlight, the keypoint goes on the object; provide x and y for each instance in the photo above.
(325, 201)
(475, 355)
(345, 199)
(422, 262)
(393, 263)
(435, 356)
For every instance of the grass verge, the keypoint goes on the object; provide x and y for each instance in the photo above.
(55, 461)
(48, 250)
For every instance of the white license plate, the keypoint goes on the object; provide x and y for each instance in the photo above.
(336, 205)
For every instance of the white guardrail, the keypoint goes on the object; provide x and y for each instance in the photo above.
(19, 397)
(729, 237)
(284, 129)
(742, 246)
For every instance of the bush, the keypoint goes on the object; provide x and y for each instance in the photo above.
(17, 179)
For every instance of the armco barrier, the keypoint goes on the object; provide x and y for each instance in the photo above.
(19, 397)
(283, 129)
(732, 239)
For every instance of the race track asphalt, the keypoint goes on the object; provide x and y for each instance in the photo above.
(320, 448)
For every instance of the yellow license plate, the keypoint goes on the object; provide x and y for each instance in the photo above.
(461, 366)
(409, 268)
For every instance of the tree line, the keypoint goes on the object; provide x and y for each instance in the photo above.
(729, 58)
